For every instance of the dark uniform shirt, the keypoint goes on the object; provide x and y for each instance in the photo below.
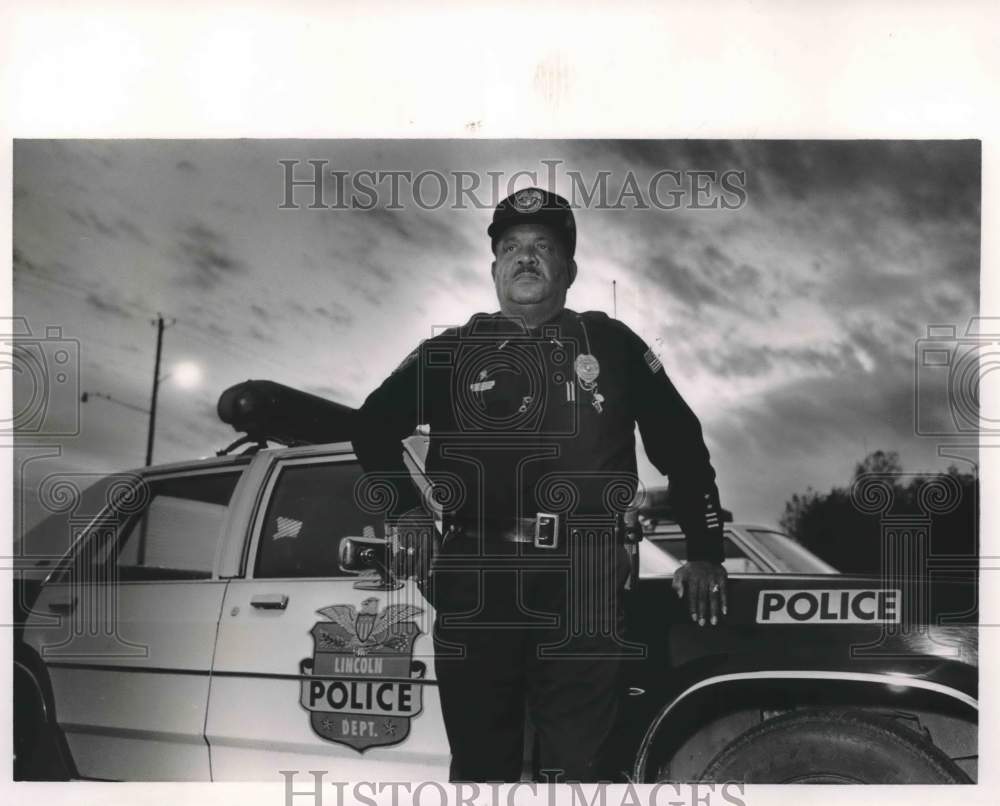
(520, 425)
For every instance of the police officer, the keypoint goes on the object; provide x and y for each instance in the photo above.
(532, 412)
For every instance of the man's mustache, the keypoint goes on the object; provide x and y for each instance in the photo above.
(525, 269)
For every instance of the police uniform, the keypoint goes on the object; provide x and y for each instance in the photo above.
(532, 449)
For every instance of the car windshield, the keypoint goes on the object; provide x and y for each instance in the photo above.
(789, 556)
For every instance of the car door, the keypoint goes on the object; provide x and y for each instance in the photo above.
(138, 605)
(315, 668)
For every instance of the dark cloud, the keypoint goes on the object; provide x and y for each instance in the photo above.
(131, 229)
(216, 329)
(711, 281)
(649, 156)
(260, 311)
(335, 313)
(101, 226)
(748, 361)
(375, 270)
(107, 306)
(372, 297)
(186, 166)
(22, 263)
(121, 226)
(260, 335)
(917, 180)
(441, 229)
(395, 222)
(815, 415)
(682, 282)
(207, 254)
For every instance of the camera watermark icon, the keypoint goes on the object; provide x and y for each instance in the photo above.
(950, 373)
(79, 606)
(927, 616)
(46, 379)
(501, 386)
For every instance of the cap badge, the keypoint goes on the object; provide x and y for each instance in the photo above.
(528, 200)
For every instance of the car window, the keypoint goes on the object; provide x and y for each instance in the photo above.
(311, 508)
(789, 556)
(177, 533)
(51, 538)
(736, 561)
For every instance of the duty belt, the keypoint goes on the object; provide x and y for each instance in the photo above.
(547, 530)
(542, 531)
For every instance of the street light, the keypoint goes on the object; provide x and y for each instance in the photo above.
(187, 373)
(87, 395)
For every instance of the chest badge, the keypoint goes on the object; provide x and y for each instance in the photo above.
(587, 369)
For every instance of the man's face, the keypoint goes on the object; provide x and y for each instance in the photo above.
(531, 265)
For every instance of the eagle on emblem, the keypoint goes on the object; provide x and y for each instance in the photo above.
(369, 629)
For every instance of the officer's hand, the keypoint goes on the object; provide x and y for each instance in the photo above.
(412, 539)
(705, 584)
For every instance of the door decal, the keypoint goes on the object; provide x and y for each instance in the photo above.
(362, 647)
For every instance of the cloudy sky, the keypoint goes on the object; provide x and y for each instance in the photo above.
(789, 324)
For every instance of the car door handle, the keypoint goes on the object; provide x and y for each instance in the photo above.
(269, 601)
(62, 605)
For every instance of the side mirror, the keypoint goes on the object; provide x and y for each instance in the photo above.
(359, 554)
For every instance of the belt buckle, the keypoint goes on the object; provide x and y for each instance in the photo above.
(546, 530)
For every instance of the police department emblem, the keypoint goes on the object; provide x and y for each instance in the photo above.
(372, 651)
(528, 200)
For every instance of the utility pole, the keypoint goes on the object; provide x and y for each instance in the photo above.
(160, 325)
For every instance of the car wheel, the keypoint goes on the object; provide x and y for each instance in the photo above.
(832, 747)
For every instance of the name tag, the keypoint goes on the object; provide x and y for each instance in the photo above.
(482, 386)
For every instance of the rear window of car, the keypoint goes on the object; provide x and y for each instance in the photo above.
(80, 499)
(789, 555)
(157, 528)
(736, 560)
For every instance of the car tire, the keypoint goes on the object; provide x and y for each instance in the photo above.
(38, 749)
(832, 747)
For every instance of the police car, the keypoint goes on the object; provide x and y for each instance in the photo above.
(231, 617)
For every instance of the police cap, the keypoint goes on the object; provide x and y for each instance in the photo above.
(535, 206)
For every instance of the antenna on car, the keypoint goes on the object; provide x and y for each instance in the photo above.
(265, 411)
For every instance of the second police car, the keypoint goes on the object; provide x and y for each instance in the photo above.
(230, 617)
